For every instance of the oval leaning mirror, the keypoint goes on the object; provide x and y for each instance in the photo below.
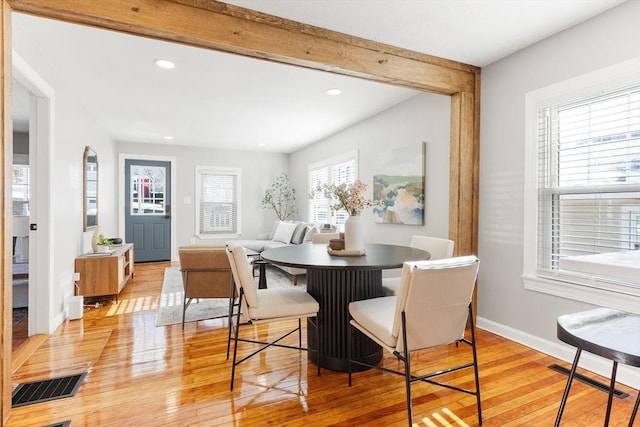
(90, 193)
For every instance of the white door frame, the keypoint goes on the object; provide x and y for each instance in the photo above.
(121, 192)
(41, 147)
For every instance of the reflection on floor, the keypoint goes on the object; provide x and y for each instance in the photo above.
(20, 300)
(20, 326)
(19, 314)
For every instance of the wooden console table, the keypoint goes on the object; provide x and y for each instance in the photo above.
(105, 274)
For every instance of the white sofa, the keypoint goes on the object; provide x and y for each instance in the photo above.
(283, 233)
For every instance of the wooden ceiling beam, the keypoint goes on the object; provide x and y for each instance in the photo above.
(215, 25)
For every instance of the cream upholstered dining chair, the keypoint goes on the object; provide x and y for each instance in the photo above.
(264, 305)
(432, 308)
(437, 247)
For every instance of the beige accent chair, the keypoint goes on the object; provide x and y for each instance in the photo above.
(264, 305)
(437, 247)
(206, 273)
(432, 309)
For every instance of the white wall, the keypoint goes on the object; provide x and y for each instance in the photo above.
(502, 300)
(73, 131)
(60, 223)
(259, 170)
(423, 118)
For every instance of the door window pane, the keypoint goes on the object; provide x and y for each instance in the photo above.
(148, 185)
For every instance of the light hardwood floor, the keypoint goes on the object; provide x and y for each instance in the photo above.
(143, 375)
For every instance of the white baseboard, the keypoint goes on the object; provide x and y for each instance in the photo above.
(627, 375)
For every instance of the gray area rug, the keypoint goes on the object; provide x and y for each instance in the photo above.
(171, 297)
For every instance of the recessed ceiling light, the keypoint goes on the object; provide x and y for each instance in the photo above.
(261, 144)
(334, 92)
(168, 137)
(165, 63)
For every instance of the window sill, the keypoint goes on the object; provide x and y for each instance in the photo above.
(627, 299)
(625, 264)
(217, 236)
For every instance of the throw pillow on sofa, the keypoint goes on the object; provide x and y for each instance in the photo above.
(298, 235)
(284, 231)
(308, 235)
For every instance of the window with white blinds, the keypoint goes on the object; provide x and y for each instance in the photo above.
(582, 188)
(218, 207)
(337, 170)
(589, 181)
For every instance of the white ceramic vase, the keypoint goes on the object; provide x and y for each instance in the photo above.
(94, 240)
(354, 233)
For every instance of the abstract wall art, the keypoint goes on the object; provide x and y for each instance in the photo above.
(400, 187)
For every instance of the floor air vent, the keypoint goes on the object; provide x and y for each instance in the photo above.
(588, 381)
(42, 391)
(61, 424)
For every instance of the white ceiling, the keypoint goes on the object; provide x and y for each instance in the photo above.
(221, 100)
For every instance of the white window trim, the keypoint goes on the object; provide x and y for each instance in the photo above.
(340, 158)
(218, 170)
(574, 287)
(335, 160)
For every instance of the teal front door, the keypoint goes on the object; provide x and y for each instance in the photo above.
(148, 209)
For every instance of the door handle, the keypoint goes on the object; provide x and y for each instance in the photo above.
(167, 211)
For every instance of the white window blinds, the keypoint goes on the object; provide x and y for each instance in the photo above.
(589, 179)
(218, 208)
(337, 170)
(344, 172)
(318, 205)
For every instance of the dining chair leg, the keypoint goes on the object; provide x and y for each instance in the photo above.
(635, 410)
(235, 339)
(472, 327)
(230, 320)
(611, 390)
(299, 333)
(184, 312)
(318, 344)
(349, 334)
(232, 300)
(231, 328)
(407, 369)
(567, 387)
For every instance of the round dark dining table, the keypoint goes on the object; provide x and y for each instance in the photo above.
(335, 281)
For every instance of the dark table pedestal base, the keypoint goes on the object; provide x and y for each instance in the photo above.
(262, 281)
(334, 290)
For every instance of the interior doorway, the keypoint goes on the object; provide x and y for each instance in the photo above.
(20, 196)
(34, 223)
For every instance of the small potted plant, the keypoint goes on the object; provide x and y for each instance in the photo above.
(104, 244)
